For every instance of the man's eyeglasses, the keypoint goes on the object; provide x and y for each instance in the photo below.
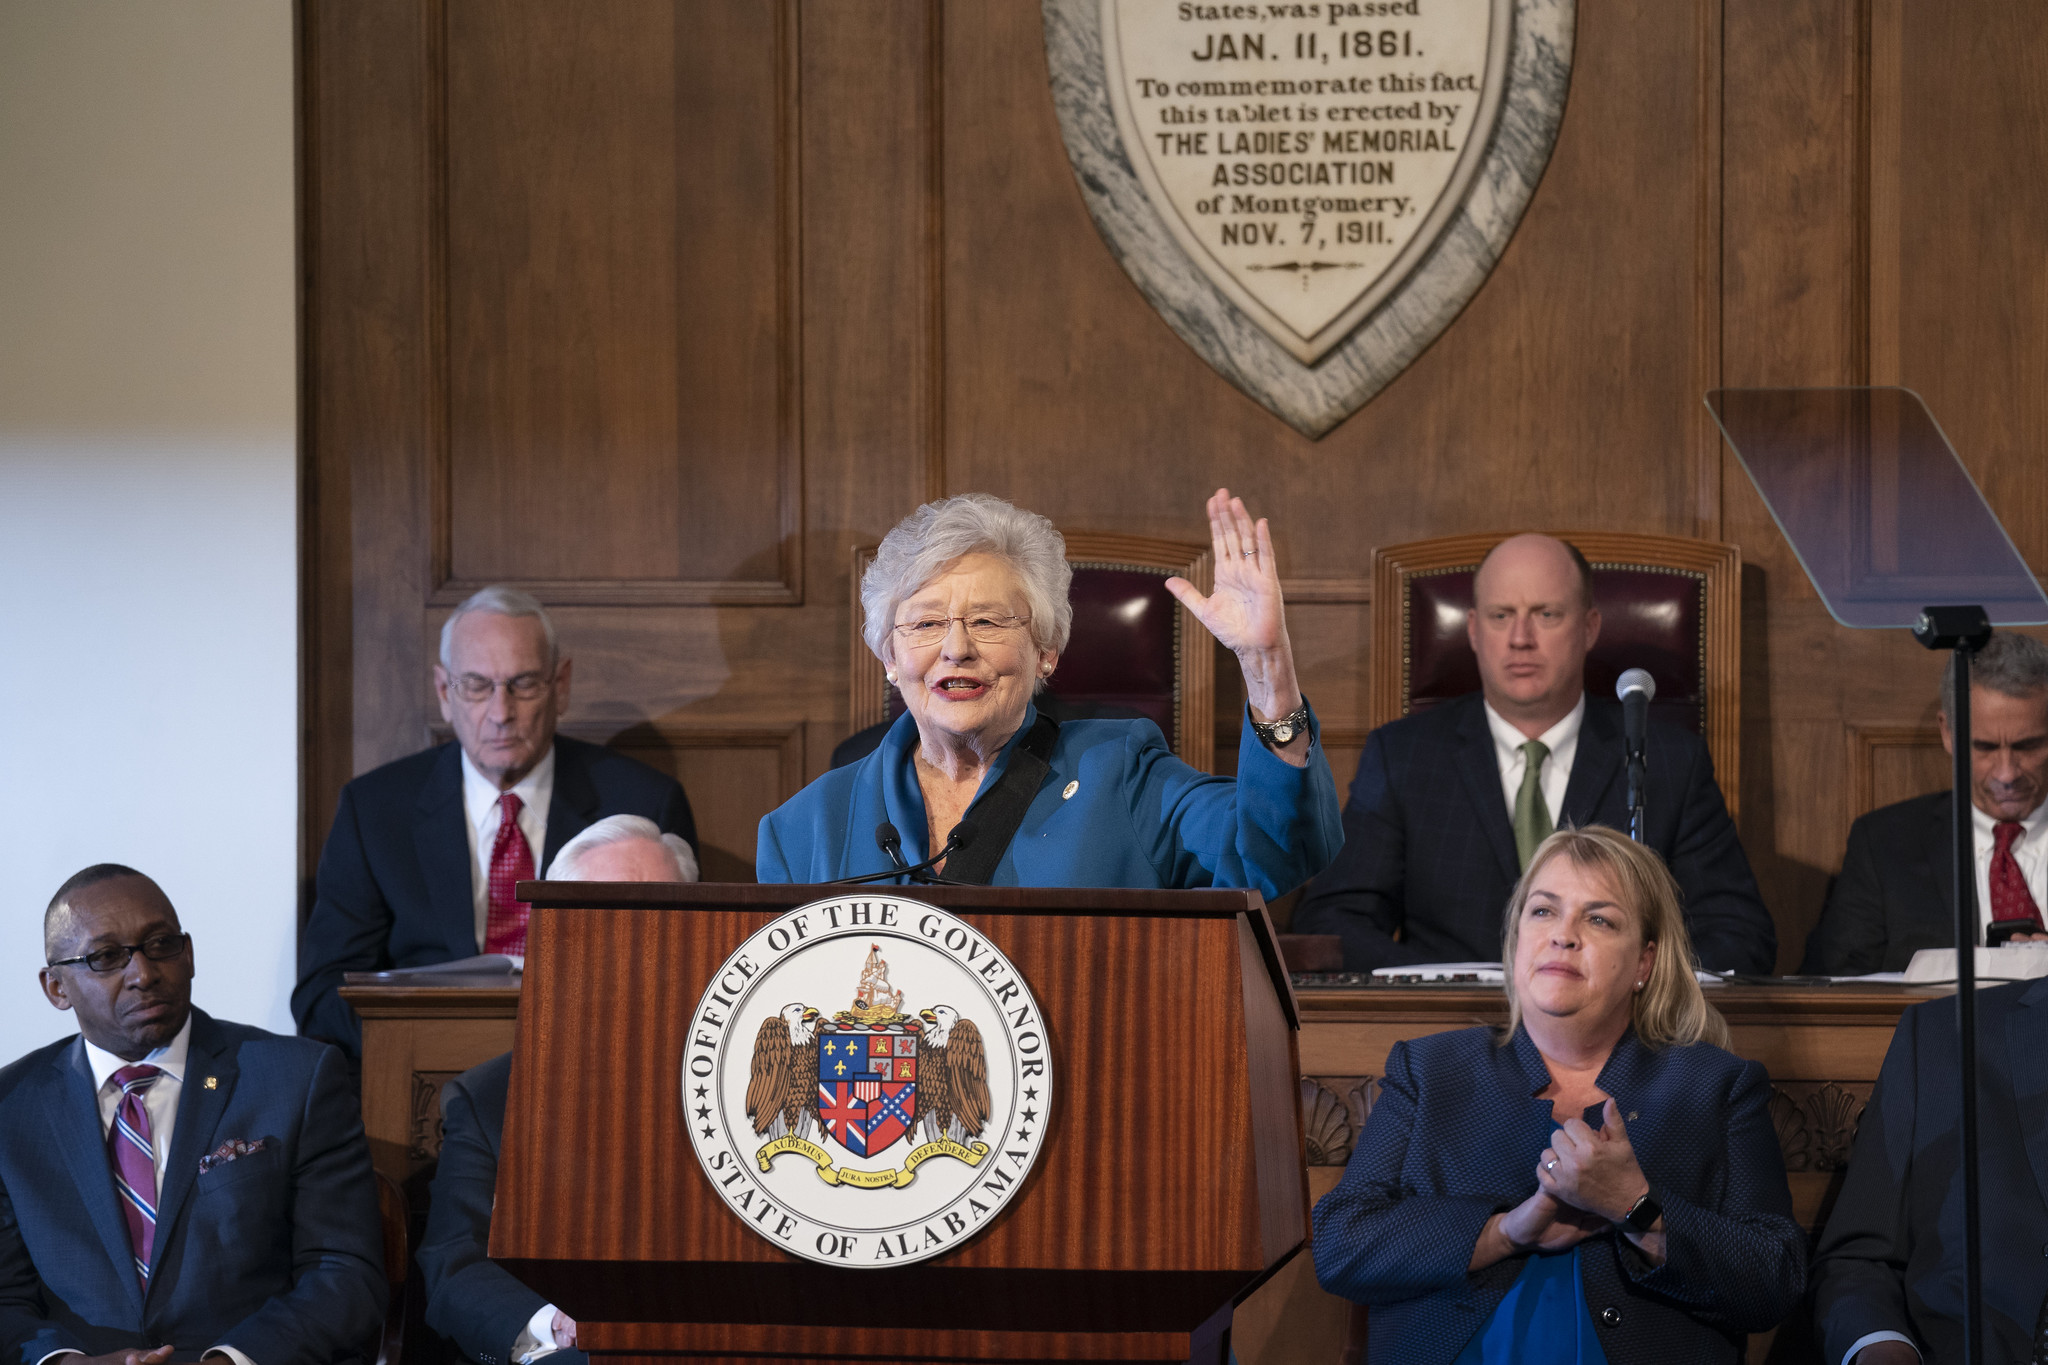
(113, 957)
(982, 628)
(475, 687)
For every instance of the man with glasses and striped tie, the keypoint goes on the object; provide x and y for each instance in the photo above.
(173, 1185)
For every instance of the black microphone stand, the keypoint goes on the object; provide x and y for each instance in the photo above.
(1964, 630)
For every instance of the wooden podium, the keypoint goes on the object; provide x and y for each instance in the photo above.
(1171, 1182)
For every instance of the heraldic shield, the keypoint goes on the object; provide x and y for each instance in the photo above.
(867, 1085)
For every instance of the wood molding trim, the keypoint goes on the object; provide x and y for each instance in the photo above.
(787, 587)
(1194, 741)
(1864, 743)
(1719, 564)
(1327, 591)
(786, 741)
(1883, 79)
(932, 372)
(1708, 457)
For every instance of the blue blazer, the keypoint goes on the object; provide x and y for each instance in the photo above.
(471, 1299)
(1137, 816)
(1891, 1258)
(278, 1253)
(1429, 848)
(1454, 1138)
(393, 886)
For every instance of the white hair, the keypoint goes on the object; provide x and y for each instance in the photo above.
(499, 600)
(936, 534)
(619, 829)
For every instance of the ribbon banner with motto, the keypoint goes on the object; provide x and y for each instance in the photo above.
(1308, 193)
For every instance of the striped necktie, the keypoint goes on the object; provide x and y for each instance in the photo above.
(134, 1161)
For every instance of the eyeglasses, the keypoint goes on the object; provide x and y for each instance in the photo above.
(475, 687)
(113, 957)
(982, 628)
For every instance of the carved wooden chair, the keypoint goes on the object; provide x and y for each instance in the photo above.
(1668, 604)
(1133, 646)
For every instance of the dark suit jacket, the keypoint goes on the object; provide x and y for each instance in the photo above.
(1429, 848)
(1896, 894)
(1891, 1256)
(472, 1300)
(394, 882)
(1454, 1138)
(278, 1253)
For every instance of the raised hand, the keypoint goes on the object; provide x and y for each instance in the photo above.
(1244, 610)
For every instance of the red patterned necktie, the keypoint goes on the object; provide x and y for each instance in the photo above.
(134, 1160)
(511, 863)
(2010, 899)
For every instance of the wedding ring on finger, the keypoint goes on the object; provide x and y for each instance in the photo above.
(1251, 554)
(1550, 1165)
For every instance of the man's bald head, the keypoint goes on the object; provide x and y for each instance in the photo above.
(59, 925)
(1532, 554)
(1531, 626)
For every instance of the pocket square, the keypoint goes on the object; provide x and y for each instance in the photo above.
(228, 1151)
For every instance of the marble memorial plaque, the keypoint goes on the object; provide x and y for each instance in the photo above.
(1308, 192)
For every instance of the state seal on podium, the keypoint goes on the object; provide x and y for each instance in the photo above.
(867, 1081)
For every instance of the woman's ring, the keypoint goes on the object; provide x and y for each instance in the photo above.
(1251, 554)
(1550, 1165)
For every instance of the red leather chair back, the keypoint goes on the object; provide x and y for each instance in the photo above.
(1650, 618)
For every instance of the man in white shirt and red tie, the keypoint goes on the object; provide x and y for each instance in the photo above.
(1896, 892)
(173, 1184)
(424, 853)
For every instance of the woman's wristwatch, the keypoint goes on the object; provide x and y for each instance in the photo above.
(1642, 1216)
(1281, 732)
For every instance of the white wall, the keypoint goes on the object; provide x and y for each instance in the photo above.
(148, 476)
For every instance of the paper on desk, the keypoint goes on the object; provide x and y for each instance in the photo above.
(1481, 973)
(484, 964)
(2013, 962)
(1883, 978)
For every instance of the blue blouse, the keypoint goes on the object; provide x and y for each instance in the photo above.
(1542, 1321)
(1117, 809)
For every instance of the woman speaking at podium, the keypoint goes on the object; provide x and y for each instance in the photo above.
(966, 606)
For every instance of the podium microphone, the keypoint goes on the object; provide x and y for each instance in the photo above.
(1635, 688)
(890, 842)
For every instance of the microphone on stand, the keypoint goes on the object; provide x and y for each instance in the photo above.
(1635, 688)
(886, 836)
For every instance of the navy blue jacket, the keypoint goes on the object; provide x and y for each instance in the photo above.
(1429, 848)
(393, 888)
(1891, 1257)
(1454, 1138)
(1116, 809)
(471, 1299)
(278, 1253)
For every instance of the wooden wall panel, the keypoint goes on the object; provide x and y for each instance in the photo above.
(665, 308)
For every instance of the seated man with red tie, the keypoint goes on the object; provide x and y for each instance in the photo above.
(1896, 894)
(172, 1185)
(424, 852)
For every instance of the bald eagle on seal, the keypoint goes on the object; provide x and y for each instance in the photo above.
(782, 1093)
(952, 1081)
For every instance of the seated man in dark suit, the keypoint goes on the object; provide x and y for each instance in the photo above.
(172, 1185)
(1888, 1274)
(1449, 803)
(424, 852)
(1896, 894)
(472, 1300)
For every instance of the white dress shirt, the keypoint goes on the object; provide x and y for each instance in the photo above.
(1562, 739)
(480, 804)
(2030, 851)
(160, 1102)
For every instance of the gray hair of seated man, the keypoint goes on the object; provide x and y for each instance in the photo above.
(2015, 665)
(925, 542)
(501, 601)
(619, 829)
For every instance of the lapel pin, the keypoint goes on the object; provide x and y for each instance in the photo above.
(1068, 794)
(212, 1083)
(1631, 1113)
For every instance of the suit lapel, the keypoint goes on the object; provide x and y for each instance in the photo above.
(2026, 1044)
(1940, 847)
(72, 1109)
(573, 806)
(441, 842)
(199, 1111)
(1480, 770)
(1595, 765)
